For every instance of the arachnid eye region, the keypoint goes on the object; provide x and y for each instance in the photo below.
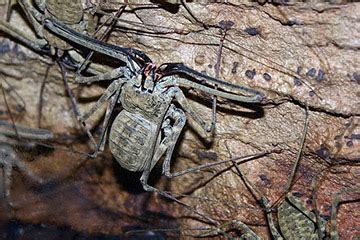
(258, 80)
(149, 125)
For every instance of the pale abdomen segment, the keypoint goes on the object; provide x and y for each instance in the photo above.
(131, 140)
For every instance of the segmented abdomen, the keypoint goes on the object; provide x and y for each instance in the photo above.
(132, 140)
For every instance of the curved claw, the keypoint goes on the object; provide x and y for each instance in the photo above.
(237, 92)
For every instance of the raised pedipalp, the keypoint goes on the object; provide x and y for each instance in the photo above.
(234, 91)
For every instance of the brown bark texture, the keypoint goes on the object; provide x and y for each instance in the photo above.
(298, 55)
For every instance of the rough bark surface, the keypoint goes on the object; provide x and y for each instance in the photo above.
(286, 42)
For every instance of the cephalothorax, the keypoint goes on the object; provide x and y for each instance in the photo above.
(8, 156)
(150, 122)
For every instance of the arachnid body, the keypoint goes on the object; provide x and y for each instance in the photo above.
(294, 219)
(150, 123)
(80, 15)
(69, 12)
(295, 222)
(8, 156)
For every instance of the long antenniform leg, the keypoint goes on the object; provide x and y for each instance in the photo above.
(33, 16)
(167, 145)
(112, 93)
(35, 44)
